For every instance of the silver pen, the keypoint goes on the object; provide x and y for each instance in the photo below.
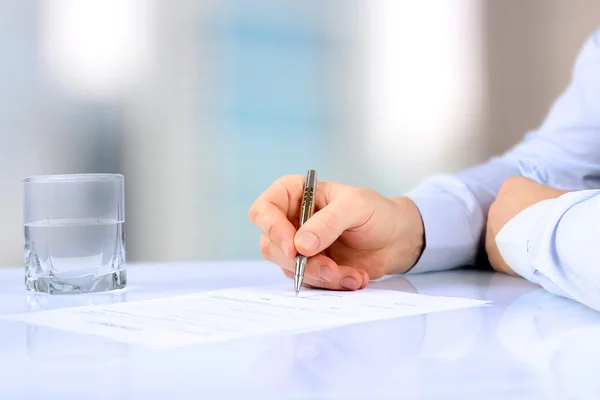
(306, 211)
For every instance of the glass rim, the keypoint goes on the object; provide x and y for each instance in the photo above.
(72, 178)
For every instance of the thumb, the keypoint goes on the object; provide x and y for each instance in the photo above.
(326, 225)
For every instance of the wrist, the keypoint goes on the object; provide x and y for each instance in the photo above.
(409, 238)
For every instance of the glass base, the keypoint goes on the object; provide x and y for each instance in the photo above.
(49, 284)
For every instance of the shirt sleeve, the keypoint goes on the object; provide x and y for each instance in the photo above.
(513, 239)
(555, 243)
(564, 152)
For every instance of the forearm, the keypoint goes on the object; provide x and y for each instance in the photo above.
(454, 208)
(563, 153)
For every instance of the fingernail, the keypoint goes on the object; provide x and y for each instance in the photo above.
(349, 283)
(324, 272)
(308, 241)
(285, 247)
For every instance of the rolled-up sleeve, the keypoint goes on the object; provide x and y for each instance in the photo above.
(564, 247)
(556, 244)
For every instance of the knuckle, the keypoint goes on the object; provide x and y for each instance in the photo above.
(289, 181)
(253, 213)
(270, 228)
(265, 248)
(262, 218)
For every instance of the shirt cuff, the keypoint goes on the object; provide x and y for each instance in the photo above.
(452, 221)
(513, 240)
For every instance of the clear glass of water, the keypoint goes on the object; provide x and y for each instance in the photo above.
(74, 233)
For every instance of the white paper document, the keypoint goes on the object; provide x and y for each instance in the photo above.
(238, 313)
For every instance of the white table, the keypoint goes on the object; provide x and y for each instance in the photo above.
(527, 345)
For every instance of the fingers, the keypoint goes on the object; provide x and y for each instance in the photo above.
(276, 226)
(347, 211)
(349, 280)
(320, 272)
(339, 208)
(274, 211)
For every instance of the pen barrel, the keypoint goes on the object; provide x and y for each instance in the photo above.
(308, 199)
(311, 179)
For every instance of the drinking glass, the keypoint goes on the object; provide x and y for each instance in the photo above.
(74, 233)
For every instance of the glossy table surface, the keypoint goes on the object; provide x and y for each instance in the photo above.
(528, 344)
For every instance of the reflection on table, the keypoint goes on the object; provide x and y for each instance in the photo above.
(526, 344)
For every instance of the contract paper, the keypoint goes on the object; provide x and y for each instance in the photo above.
(238, 313)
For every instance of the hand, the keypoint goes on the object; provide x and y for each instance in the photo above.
(354, 236)
(515, 195)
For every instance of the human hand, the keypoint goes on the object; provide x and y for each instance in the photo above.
(354, 236)
(515, 195)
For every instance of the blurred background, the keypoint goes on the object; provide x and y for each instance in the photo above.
(203, 104)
